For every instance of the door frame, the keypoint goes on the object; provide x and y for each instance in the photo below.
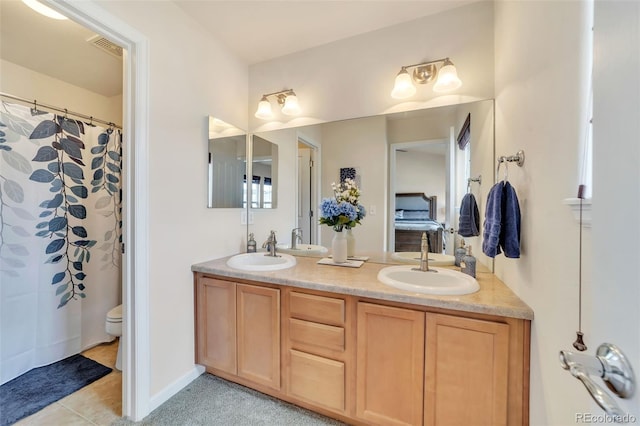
(449, 185)
(135, 173)
(316, 189)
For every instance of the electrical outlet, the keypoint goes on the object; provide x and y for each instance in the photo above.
(244, 218)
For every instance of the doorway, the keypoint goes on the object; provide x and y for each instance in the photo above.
(67, 298)
(423, 167)
(135, 204)
(306, 207)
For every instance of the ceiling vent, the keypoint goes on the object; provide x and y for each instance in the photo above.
(106, 45)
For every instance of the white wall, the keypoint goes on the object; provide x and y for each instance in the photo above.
(422, 172)
(282, 219)
(615, 291)
(354, 77)
(541, 80)
(361, 144)
(25, 83)
(191, 77)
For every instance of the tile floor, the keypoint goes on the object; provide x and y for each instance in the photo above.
(100, 403)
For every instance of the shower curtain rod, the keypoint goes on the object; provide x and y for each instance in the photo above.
(63, 110)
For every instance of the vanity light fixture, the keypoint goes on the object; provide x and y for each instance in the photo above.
(44, 10)
(423, 73)
(287, 99)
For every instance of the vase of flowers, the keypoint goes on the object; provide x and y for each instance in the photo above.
(341, 212)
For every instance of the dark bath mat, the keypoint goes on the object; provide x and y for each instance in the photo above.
(42, 386)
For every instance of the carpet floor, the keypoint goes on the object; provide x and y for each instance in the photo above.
(209, 400)
(42, 386)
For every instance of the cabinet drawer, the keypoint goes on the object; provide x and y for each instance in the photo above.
(316, 379)
(325, 310)
(304, 334)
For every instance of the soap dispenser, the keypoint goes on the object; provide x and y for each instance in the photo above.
(460, 253)
(468, 263)
(251, 244)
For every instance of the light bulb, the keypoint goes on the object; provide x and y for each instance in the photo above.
(403, 87)
(447, 78)
(44, 10)
(264, 109)
(291, 105)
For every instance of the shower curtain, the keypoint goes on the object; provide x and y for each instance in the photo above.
(60, 236)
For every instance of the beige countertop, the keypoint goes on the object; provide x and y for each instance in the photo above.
(493, 298)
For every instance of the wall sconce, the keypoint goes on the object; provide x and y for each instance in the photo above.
(424, 73)
(287, 99)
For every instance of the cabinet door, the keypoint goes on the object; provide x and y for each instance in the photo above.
(467, 363)
(216, 324)
(259, 334)
(390, 365)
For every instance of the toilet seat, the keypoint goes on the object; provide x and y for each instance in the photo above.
(113, 326)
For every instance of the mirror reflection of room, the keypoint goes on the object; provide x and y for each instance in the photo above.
(264, 173)
(227, 157)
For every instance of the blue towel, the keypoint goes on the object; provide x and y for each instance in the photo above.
(469, 222)
(493, 221)
(510, 230)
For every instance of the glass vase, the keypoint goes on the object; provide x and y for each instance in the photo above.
(339, 246)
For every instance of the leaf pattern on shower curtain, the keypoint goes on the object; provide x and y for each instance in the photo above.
(107, 169)
(60, 207)
(12, 254)
(69, 242)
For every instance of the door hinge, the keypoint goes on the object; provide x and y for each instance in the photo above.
(310, 163)
(310, 213)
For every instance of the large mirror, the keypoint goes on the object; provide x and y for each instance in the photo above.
(395, 156)
(227, 165)
(264, 173)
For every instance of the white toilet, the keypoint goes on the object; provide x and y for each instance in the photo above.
(113, 326)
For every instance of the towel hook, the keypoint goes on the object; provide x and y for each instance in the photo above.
(518, 158)
(504, 160)
(475, 179)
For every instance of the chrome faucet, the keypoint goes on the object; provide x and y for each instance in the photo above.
(424, 255)
(296, 236)
(270, 244)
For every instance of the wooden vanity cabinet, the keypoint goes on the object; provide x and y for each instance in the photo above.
(365, 361)
(238, 330)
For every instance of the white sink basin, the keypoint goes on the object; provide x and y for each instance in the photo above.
(302, 249)
(413, 257)
(261, 262)
(444, 281)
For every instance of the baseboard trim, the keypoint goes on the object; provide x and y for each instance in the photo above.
(163, 396)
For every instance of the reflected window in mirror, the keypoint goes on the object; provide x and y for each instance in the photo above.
(264, 169)
(227, 158)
